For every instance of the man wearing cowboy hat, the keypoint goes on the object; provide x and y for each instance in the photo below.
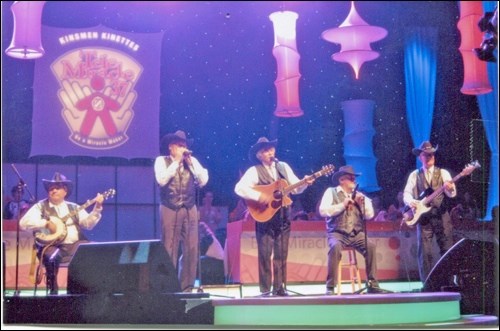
(42, 215)
(178, 173)
(437, 221)
(275, 233)
(345, 209)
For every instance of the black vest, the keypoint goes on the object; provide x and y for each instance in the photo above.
(436, 182)
(180, 191)
(347, 221)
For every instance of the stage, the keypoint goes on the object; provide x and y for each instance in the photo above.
(240, 305)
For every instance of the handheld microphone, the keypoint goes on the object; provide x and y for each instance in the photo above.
(274, 159)
(187, 152)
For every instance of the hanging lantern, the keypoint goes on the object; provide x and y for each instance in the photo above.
(475, 75)
(287, 59)
(355, 35)
(26, 41)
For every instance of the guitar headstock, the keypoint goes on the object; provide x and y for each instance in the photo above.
(109, 193)
(327, 170)
(470, 168)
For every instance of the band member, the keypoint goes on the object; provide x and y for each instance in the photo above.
(43, 215)
(273, 235)
(346, 210)
(178, 175)
(437, 221)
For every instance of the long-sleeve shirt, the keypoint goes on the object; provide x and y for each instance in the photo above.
(328, 209)
(163, 174)
(245, 186)
(412, 182)
(33, 221)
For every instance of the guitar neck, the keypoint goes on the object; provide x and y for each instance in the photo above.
(301, 182)
(440, 190)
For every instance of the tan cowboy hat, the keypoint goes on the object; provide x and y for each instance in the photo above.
(425, 147)
(261, 143)
(345, 170)
(178, 136)
(58, 178)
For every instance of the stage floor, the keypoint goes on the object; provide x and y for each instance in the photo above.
(238, 305)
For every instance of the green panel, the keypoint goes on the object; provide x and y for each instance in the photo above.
(379, 314)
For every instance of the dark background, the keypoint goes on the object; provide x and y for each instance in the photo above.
(217, 84)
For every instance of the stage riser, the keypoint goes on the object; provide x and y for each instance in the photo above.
(108, 309)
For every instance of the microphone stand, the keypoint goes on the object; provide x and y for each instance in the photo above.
(368, 281)
(20, 187)
(190, 167)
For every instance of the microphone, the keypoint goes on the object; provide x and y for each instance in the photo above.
(353, 195)
(187, 152)
(274, 159)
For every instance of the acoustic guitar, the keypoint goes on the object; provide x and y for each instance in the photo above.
(279, 191)
(46, 237)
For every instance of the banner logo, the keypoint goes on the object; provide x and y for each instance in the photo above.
(97, 95)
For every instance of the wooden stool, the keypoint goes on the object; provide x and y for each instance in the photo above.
(352, 265)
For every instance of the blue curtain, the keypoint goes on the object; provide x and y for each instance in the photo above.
(420, 78)
(488, 105)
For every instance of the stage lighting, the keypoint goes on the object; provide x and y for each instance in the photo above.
(489, 25)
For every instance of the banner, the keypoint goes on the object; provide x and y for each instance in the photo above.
(97, 93)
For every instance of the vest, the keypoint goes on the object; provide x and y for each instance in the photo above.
(179, 191)
(436, 182)
(347, 221)
(265, 179)
(50, 211)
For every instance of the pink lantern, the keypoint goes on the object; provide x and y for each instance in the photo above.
(287, 59)
(26, 41)
(475, 74)
(354, 35)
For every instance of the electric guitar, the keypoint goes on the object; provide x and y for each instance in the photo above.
(279, 191)
(412, 215)
(46, 237)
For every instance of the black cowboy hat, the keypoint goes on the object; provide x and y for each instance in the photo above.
(178, 136)
(345, 170)
(425, 147)
(261, 143)
(58, 178)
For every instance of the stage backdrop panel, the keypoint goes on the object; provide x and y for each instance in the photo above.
(97, 92)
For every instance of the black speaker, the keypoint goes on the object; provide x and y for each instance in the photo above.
(469, 267)
(122, 267)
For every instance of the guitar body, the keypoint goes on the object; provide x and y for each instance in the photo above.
(412, 216)
(263, 213)
(45, 237)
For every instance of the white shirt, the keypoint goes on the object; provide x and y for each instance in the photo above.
(328, 209)
(244, 187)
(412, 182)
(163, 174)
(33, 221)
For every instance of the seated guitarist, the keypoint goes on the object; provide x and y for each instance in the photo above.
(42, 217)
(274, 233)
(437, 220)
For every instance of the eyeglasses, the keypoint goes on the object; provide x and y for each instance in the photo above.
(56, 187)
(349, 177)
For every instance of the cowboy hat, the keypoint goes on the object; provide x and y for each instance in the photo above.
(345, 170)
(425, 147)
(169, 138)
(261, 143)
(58, 178)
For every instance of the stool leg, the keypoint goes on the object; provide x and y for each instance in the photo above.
(339, 278)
